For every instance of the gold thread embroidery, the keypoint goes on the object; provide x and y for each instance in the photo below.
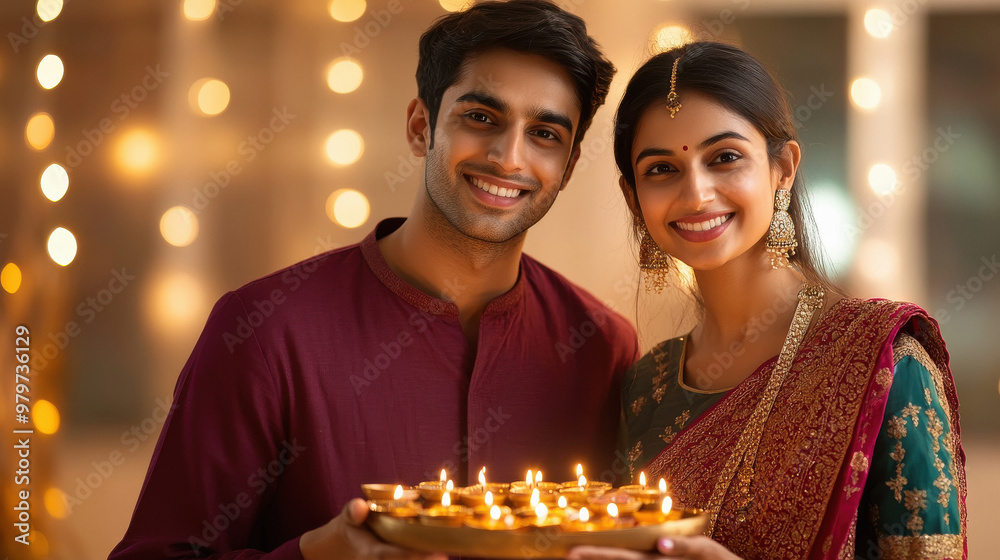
(668, 435)
(859, 466)
(927, 395)
(884, 377)
(897, 428)
(916, 502)
(682, 419)
(935, 428)
(637, 405)
(913, 411)
(923, 546)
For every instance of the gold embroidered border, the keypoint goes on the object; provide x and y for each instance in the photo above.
(928, 547)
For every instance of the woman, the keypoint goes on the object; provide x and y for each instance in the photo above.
(807, 423)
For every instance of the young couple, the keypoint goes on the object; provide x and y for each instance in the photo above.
(433, 343)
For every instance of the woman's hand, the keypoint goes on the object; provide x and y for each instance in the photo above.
(692, 548)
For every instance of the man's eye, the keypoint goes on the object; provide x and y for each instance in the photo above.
(479, 117)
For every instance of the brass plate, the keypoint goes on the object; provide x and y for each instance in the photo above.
(526, 542)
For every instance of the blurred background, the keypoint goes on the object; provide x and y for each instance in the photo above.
(157, 154)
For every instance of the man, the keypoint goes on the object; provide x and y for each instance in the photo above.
(433, 344)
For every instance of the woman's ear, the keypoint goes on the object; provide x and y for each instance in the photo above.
(418, 128)
(788, 164)
(630, 197)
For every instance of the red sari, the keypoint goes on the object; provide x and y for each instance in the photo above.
(814, 455)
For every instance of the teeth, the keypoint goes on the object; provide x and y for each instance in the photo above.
(703, 226)
(495, 190)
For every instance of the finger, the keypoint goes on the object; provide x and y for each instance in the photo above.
(687, 547)
(355, 512)
(606, 553)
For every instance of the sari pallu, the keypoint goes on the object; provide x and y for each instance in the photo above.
(812, 462)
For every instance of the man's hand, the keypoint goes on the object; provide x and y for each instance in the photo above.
(691, 548)
(346, 538)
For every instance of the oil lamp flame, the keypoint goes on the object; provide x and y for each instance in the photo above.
(449, 486)
(613, 510)
(495, 513)
(446, 499)
(584, 515)
(667, 505)
(663, 486)
(582, 481)
(482, 477)
(488, 498)
(538, 477)
(541, 512)
(444, 476)
(562, 502)
(579, 470)
(642, 479)
(529, 478)
(398, 493)
(535, 498)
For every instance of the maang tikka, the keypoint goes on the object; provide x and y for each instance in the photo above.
(781, 241)
(673, 100)
(653, 262)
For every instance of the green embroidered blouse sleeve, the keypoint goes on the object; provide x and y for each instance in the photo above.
(910, 505)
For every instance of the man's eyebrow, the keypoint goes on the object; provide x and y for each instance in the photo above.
(542, 115)
(651, 152)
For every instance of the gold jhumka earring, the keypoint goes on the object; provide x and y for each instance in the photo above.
(654, 263)
(673, 100)
(781, 241)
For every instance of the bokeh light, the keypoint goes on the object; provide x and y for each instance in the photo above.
(344, 75)
(878, 23)
(45, 416)
(54, 182)
(39, 131)
(344, 147)
(55, 503)
(348, 208)
(179, 226)
(347, 10)
(199, 10)
(48, 10)
(834, 215)
(10, 278)
(878, 260)
(866, 93)
(882, 178)
(62, 246)
(50, 71)
(670, 37)
(209, 96)
(456, 5)
(138, 151)
(175, 302)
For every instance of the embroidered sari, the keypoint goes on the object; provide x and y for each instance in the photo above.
(860, 456)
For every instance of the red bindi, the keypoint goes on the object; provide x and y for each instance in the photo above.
(685, 148)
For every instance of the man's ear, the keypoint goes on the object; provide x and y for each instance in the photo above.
(418, 128)
(570, 167)
(788, 164)
(630, 198)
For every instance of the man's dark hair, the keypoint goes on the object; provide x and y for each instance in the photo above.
(536, 27)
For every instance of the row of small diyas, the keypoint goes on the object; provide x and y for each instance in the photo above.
(579, 505)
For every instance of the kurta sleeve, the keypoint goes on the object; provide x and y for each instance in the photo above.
(910, 508)
(207, 483)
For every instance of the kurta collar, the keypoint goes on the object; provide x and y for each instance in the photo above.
(428, 304)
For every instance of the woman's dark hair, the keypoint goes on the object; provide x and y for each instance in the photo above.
(528, 26)
(737, 81)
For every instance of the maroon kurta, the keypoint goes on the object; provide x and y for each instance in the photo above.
(334, 372)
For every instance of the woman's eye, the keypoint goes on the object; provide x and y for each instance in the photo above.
(659, 169)
(728, 157)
